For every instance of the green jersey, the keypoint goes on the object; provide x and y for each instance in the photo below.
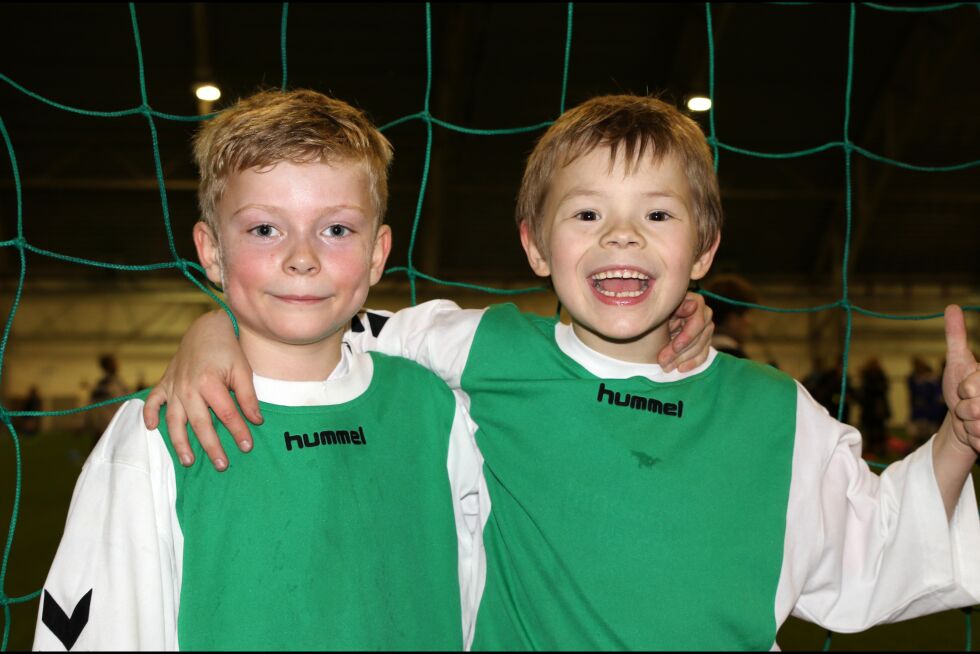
(336, 531)
(620, 518)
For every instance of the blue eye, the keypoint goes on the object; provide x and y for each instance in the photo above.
(264, 231)
(588, 215)
(658, 216)
(338, 231)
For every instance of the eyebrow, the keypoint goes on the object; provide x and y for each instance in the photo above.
(274, 210)
(263, 207)
(581, 191)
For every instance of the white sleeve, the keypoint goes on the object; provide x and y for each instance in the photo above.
(436, 334)
(863, 549)
(471, 506)
(115, 580)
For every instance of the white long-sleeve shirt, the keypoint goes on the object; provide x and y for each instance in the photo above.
(116, 580)
(859, 548)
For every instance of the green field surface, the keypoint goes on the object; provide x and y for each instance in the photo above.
(51, 463)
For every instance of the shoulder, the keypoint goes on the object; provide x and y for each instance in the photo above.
(395, 369)
(411, 385)
(753, 376)
(748, 367)
(508, 317)
(126, 440)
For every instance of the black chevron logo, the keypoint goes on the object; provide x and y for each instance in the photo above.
(66, 629)
(375, 321)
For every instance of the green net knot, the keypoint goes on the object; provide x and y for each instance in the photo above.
(20, 242)
(4, 600)
(5, 419)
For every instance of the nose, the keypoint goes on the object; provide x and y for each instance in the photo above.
(622, 233)
(302, 258)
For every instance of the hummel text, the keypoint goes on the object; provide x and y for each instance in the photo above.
(339, 437)
(639, 403)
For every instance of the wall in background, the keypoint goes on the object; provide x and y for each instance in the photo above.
(61, 329)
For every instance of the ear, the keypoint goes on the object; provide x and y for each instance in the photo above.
(379, 256)
(539, 263)
(208, 252)
(703, 263)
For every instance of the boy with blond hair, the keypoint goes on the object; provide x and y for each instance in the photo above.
(639, 508)
(355, 524)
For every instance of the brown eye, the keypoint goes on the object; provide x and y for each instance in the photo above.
(588, 215)
(658, 216)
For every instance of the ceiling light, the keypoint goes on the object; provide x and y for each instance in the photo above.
(207, 92)
(699, 103)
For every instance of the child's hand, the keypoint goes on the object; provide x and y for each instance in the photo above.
(208, 363)
(690, 335)
(961, 381)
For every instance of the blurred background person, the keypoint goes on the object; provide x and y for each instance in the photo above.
(872, 397)
(925, 395)
(829, 391)
(30, 425)
(108, 387)
(733, 325)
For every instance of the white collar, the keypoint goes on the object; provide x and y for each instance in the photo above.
(607, 367)
(348, 380)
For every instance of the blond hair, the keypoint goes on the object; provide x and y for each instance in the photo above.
(639, 125)
(299, 126)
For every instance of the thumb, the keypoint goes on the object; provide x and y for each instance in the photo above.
(957, 348)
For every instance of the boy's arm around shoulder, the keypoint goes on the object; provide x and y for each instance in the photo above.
(208, 363)
(115, 580)
(439, 335)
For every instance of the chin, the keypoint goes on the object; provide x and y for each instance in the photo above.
(625, 336)
(621, 333)
(300, 337)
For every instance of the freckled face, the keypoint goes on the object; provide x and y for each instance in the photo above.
(619, 249)
(298, 249)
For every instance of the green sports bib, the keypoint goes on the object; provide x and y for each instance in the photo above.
(335, 532)
(627, 514)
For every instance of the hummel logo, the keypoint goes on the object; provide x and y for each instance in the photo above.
(641, 403)
(66, 629)
(339, 437)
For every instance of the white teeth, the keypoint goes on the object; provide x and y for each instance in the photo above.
(623, 294)
(619, 274)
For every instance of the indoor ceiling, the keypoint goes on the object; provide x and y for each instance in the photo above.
(90, 190)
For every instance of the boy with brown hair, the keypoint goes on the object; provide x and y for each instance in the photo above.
(635, 508)
(364, 532)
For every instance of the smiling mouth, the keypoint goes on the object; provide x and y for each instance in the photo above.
(300, 299)
(624, 283)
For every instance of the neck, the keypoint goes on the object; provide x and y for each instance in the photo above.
(289, 362)
(640, 349)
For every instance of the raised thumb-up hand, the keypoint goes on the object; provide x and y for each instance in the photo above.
(961, 380)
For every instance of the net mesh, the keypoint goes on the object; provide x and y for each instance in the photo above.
(847, 147)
